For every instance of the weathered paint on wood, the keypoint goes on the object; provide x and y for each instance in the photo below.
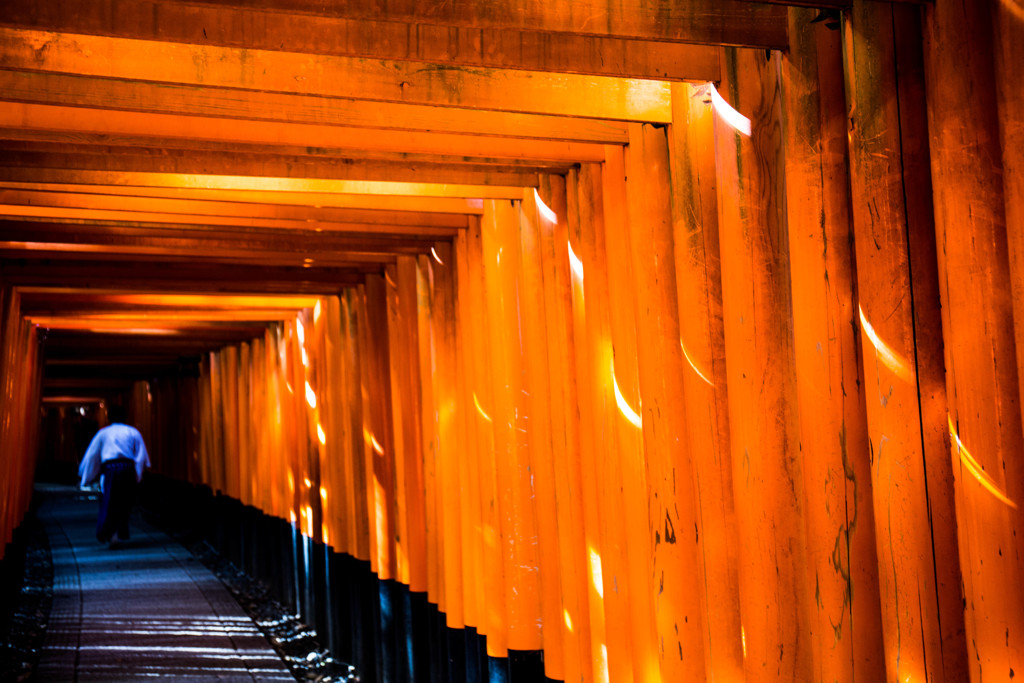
(846, 624)
(977, 326)
(919, 579)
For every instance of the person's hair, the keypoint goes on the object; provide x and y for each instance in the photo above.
(117, 413)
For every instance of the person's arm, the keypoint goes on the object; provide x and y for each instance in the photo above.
(89, 470)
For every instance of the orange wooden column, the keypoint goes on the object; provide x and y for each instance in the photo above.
(842, 565)
(259, 424)
(451, 457)
(628, 567)
(919, 576)
(201, 468)
(19, 423)
(1008, 30)
(451, 499)
(294, 409)
(231, 370)
(403, 325)
(243, 410)
(358, 504)
(430, 418)
(767, 466)
(477, 397)
(321, 464)
(676, 591)
(19, 395)
(335, 468)
(272, 484)
(9, 312)
(272, 468)
(501, 253)
(534, 224)
(977, 325)
(596, 403)
(560, 288)
(1008, 23)
(378, 423)
(702, 341)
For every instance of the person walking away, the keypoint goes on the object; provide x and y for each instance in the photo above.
(117, 456)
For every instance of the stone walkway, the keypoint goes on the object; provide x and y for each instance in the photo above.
(144, 610)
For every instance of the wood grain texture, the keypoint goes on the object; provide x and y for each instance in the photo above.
(846, 627)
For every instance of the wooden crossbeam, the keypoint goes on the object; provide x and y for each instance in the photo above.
(269, 200)
(143, 315)
(94, 237)
(21, 121)
(91, 216)
(327, 75)
(315, 186)
(66, 337)
(164, 275)
(208, 164)
(87, 389)
(252, 28)
(60, 251)
(276, 215)
(241, 163)
(169, 98)
(91, 345)
(183, 152)
(70, 296)
(726, 22)
(198, 251)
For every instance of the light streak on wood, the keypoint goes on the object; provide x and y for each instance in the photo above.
(549, 215)
(624, 407)
(975, 468)
(892, 360)
(575, 263)
(693, 365)
(479, 408)
(596, 575)
(736, 120)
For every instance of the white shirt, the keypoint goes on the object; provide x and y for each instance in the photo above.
(112, 442)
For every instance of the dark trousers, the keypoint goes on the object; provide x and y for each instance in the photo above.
(117, 499)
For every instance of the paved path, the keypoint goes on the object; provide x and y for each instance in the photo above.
(146, 609)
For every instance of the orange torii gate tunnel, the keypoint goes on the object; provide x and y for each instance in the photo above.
(634, 341)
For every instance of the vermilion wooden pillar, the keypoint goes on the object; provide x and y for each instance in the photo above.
(501, 256)
(842, 566)
(702, 341)
(9, 325)
(559, 290)
(977, 324)
(767, 465)
(919, 577)
(540, 410)
(628, 569)
(478, 392)
(675, 553)
(1008, 28)
(405, 394)
(378, 421)
(596, 405)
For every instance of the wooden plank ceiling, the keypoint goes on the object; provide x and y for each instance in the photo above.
(174, 174)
